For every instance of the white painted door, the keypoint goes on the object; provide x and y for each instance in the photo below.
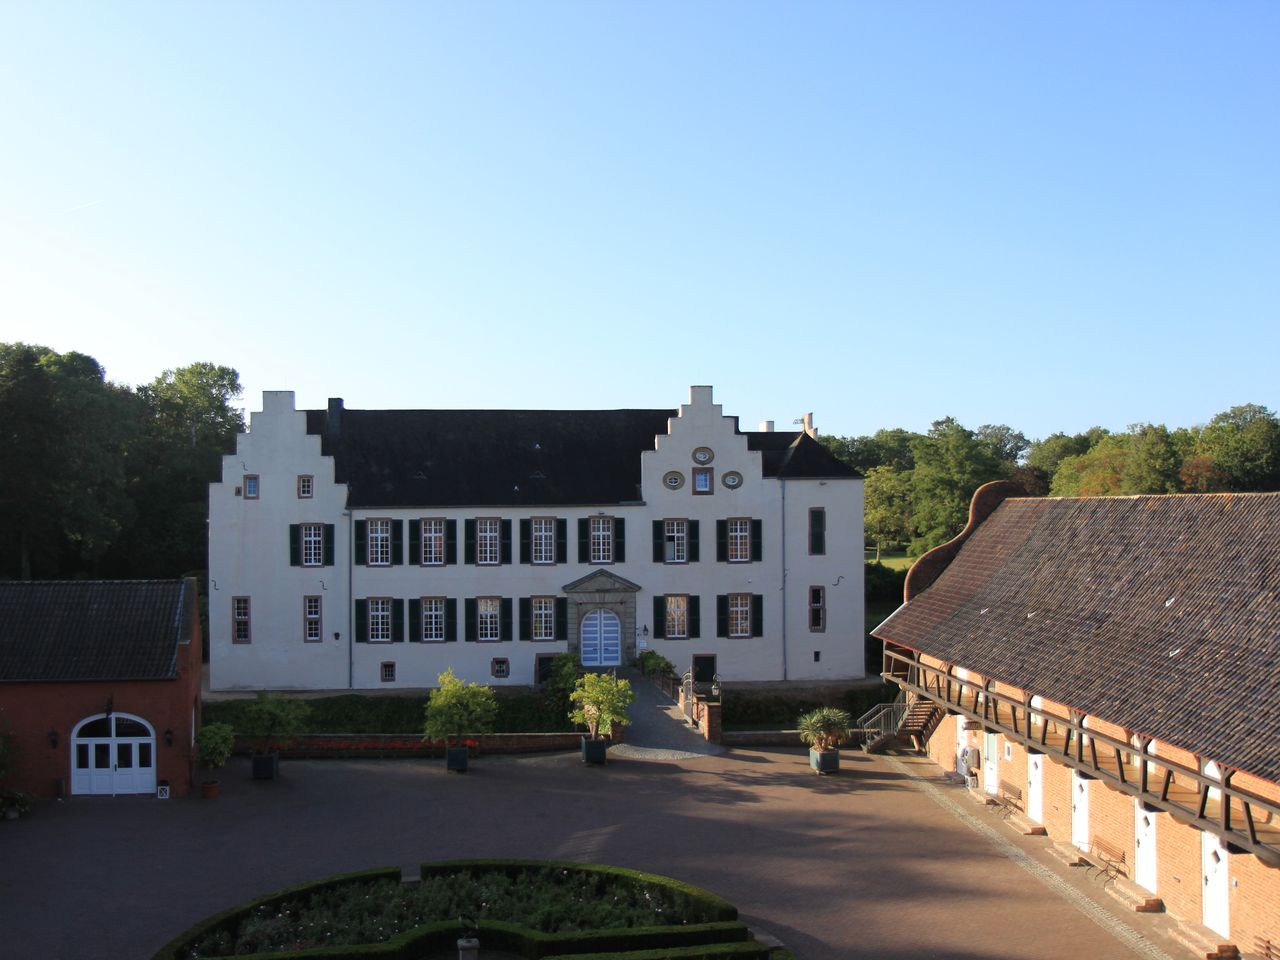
(962, 744)
(1035, 787)
(1079, 811)
(601, 636)
(990, 765)
(112, 755)
(1144, 846)
(1216, 892)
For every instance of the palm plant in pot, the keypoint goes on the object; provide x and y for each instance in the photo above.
(824, 730)
(265, 719)
(455, 710)
(214, 743)
(601, 701)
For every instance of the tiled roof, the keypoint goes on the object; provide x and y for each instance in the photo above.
(1157, 613)
(394, 458)
(93, 629)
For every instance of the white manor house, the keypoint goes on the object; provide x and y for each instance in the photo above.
(368, 549)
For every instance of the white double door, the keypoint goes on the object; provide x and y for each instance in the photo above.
(601, 639)
(112, 755)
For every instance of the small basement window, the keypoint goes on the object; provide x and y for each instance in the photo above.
(500, 667)
(388, 671)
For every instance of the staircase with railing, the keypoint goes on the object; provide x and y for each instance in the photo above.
(907, 719)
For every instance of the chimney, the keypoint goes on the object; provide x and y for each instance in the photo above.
(333, 422)
(808, 425)
(766, 426)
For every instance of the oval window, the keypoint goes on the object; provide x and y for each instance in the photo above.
(674, 480)
(732, 479)
(703, 455)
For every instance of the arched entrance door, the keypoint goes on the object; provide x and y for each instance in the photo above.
(113, 754)
(601, 636)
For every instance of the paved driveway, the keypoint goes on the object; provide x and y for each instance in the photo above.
(866, 864)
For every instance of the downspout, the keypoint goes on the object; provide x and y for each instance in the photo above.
(351, 604)
(783, 482)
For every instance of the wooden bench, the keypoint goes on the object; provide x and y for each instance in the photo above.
(1009, 800)
(1108, 859)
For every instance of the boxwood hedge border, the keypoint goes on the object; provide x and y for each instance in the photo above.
(724, 936)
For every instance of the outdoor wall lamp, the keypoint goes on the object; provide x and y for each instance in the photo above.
(336, 636)
(168, 737)
(53, 738)
(645, 631)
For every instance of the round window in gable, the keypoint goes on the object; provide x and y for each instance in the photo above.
(703, 455)
(732, 479)
(673, 480)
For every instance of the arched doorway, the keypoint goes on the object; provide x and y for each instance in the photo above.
(601, 635)
(113, 754)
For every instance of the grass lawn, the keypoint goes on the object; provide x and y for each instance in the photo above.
(894, 559)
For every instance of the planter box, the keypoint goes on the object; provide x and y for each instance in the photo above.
(824, 761)
(455, 759)
(266, 766)
(595, 751)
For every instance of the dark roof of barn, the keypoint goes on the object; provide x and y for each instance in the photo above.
(393, 458)
(66, 630)
(1158, 613)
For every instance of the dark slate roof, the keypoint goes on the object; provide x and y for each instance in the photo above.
(1157, 613)
(400, 458)
(93, 629)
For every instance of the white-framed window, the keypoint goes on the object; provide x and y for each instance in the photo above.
(817, 609)
(432, 542)
(739, 540)
(379, 541)
(500, 668)
(542, 534)
(387, 671)
(312, 544)
(433, 619)
(677, 627)
(704, 480)
(488, 618)
(311, 625)
(240, 632)
(544, 618)
(677, 541)
(602, 539)
(739, 615)
(306, 486)
(488, 540)
(379, 620)
(251, 486)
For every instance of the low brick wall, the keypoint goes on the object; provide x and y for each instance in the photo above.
(382, 745)
(761, 738)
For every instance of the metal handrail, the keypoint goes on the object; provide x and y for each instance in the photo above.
(884, 719)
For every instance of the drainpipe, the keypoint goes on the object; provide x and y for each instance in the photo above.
(351, 604)
(783, 551)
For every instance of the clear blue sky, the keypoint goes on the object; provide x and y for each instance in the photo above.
(1044, 214)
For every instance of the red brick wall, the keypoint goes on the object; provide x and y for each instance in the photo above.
(1255, 903)
(1057, 800)
(1178, 875)
(1111, 820)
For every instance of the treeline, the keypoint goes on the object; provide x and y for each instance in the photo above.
(918, 486)
(103, 480)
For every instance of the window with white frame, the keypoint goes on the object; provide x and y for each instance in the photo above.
(240, 620)
(306, 486)
(488, 618)
(739, 614)
(312, 544)
(379, 543)
(379, 620)
(251, 486)
(739, 540)
(602, 539)
(488, 540)
(500, 668)
(433, 619)
(433, 542)
(677, 626)
(543, 540)
(387, 671)
(704, 480)
(544, 618)
(817, 609)
(311, 627)
(677, 541)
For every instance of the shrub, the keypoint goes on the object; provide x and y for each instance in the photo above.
(271, 715)
(214, 743)
(457, 708)
(602, 700)
(654, 664)
(884, 583)
(825, 728)
(565, 671)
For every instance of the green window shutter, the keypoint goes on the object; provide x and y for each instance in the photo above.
(469, 544)
(415, 543)
(693, 541)
(757, 615)
(562, 618)
(817, 531)
(504, 619)
(619, 540)
(451, 619)
(695, 617)
(722, 615)
(562, 541)
(397, 621)
(722, 541)
(415, 620)
(361, 541)
(526, 541)
(362, 621)
(472, 627)
(584, 540)
(504, 545)
(659, 617)
(659, 539)
(757, 540)
(295, 544)
(526, 618)
(451, 542)
(329, 536)
(397, 543)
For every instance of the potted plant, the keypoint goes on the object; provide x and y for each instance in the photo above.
(825, 729)
(602, 700)
(214, 743)
(454, 710)
(266, 718)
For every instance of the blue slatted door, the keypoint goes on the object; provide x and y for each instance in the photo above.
(601, 639)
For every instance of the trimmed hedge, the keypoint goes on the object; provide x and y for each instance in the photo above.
(751, 951)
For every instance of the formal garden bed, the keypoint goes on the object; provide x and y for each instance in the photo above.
(533, 908)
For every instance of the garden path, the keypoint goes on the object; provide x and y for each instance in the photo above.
(658, 729)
